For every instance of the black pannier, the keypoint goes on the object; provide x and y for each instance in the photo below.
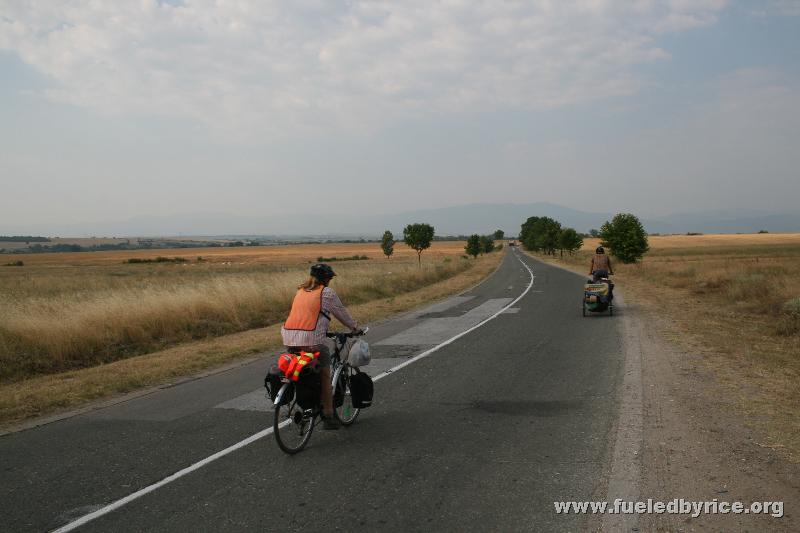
(273, 383)
(361, 388)
(308, 389)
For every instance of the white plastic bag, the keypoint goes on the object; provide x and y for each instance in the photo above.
(359, 353)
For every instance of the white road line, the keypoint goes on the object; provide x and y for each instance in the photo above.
(261, 434)
(169, 479)
(473, 328)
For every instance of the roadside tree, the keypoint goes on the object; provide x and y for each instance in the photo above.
(540, 234)
(625, 238)
(419, 237)
(473, 246)
(487, 244)
(569, 240)
(549, 234)
(526, 234)
(499, 235)
(387, 244)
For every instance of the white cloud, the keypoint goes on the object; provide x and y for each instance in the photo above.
(788, 8)
(775, 8)
(277, 67)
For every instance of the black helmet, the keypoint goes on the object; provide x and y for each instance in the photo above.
(322, 272)
(599, 250)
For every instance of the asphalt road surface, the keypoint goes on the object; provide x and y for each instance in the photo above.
(484, 434)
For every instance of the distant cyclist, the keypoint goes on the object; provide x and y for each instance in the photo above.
(600, 266)
(307, 325)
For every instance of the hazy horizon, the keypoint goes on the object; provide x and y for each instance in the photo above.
(117, 111)
(480, 218)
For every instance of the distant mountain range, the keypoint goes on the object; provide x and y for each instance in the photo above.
(458, 220)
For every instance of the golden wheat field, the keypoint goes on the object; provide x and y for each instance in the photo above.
(71, 310)
(712, 242)
(286, 255)
(659, 242)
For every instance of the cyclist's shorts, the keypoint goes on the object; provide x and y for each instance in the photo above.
(324, 353)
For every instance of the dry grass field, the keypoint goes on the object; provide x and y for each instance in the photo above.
(659, 243)
(736, 300)
(63, 311)
(48, 393)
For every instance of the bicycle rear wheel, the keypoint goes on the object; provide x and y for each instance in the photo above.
(292, 426)
(344, 413)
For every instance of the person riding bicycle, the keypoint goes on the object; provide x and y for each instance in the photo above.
(600, 266)
(307, 325)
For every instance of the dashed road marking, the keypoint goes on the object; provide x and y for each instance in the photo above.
(435, 330)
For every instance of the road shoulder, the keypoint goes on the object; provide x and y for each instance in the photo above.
(695, 444)
(697, 447)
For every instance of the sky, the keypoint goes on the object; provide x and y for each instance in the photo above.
(113, 110)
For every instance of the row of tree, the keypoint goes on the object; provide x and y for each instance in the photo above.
(419, 237)
(416, 236)
(480, 244)
(544, 234)
(624, 236)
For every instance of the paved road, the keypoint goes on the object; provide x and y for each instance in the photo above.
(484, 434)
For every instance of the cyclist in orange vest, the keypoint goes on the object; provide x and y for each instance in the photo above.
(307, 325)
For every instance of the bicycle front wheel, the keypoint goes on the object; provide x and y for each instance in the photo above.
(343, 408)
(292, 426)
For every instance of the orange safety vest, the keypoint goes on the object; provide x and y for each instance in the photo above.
(293, 364)
(306, 308)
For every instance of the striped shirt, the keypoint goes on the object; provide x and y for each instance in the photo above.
(600, 262)
(331, 305)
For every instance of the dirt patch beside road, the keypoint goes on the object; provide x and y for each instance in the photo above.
(698, 447)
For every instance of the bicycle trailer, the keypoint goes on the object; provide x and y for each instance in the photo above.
(597, 297)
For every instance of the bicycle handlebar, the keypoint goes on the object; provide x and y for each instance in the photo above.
(339, 335)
